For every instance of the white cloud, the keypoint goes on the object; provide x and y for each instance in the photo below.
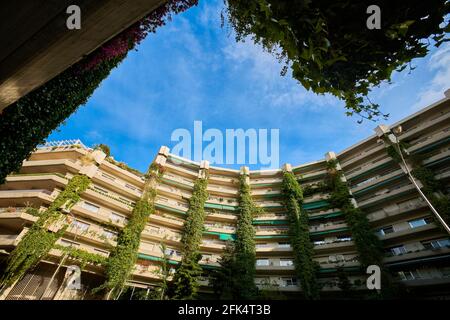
(439, 63)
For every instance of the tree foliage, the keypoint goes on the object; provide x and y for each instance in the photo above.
(329, 47)
(305, 267)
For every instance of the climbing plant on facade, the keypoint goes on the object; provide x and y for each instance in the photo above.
(306, 268)
(27, 122)
(39, 240)
(186, 277)
(244, 246)
(123, 257)
(367, 243)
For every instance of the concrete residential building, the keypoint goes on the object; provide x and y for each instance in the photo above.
(417, 249)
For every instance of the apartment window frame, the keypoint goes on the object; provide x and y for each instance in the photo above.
(90, 207)
(263, 262)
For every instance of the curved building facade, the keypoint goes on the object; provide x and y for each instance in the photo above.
(416, 246)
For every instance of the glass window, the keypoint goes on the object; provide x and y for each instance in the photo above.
(82, 226)
(396, 251)
(91, 207)
(417, 223)
(289, 282)
(262, 262)
(286, 262)
(67, 243)
(117, 218)
(108, 234)
(284, 245)
(386, 230)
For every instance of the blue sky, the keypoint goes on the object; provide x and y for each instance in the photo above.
(192, 69)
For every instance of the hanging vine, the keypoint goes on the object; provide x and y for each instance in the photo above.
(306, 268)
(186, 276)
(123, 257)
(39, 240)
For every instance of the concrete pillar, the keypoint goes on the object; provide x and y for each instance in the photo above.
(287, 167)
(245, 171)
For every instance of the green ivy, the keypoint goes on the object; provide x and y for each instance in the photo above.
(82, 256)
(303, 250)
(123, 257)
(368, 245)
(27, 122)
(244, 246)
(235, 279)
(38, 241)
(185, 279)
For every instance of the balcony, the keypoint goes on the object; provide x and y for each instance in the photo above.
(118, 185)
(220, 228)
(170, 205)
(108, 166)
(275, 266)
(265, 182)
(110, 200)
(93, 233)
(172, 192)
(413, 256)
(386, 194)
(427, 123)
(221, 190)
(53, 165)
(369, 167)
(212, 245)
(333, 246)
(223, 180)
(167, 220)
(102, 215)
(12, 240)
(178, 181)
(329, 228)
(160, 234)
(407, 233)
(392, 212)
(216, 216)
(272, 249)
(362, 155)
(34, 196)
(15, 218)
(376, 182)
(428, 143)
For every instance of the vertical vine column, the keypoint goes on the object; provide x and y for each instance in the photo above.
(244, 248)
(186, 277)
(306, 268)
(123, 257)
(367, 243)
(43, 234)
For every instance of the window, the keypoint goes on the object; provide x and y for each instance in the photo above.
(336, 258)
(67, 243)
(261, 245)
(386, 230)
(117, 218)
(129, 186)
(344, 238)
(108, 234)
(437, 244)
(289, 282)
(91, 207)
(409, 275)
(262, 262)
(284, 245)
(286, 262)
(107, 176)
(420, 222)
(82, 226)
(396, 251)
(100, 189)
